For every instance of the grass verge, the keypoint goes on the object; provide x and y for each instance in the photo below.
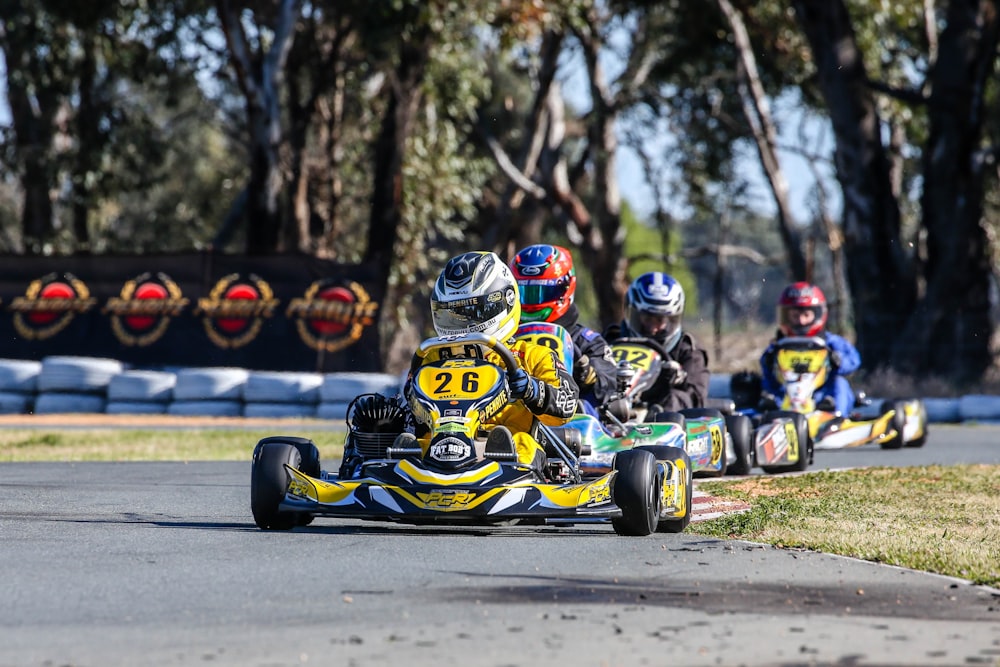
(152, 445)
(942, 519)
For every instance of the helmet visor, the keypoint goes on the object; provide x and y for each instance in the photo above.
(468, 315)
(655, 325)
(801, 320)
(537, 292)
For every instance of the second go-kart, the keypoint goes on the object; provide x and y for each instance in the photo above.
(460, 473)
(802, 365)
(718, 444)
(715, 444)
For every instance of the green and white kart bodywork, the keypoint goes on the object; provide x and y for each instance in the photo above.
(716, 444)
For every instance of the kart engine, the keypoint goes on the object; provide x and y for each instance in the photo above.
(373, 422)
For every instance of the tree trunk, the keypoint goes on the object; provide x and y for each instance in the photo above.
(33, 108)
(758, 115)
(260, 77)
(954, 314)
(387, 188)
(879, 270)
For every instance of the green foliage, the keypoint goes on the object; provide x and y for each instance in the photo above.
(642, 240)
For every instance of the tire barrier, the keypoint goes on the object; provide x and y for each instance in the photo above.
(210, 384)
(280, 410)
(343, 387)
(63, 384)
(19, 376)
(333, 411)
(270, 387)
(207, 408)
(63, 402)
(142, 386)
(77, 374)
(979, 407)
(943, 410)
(14, 403)
(718, 385)
(136, 407)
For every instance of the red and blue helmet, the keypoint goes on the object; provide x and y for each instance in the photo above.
(546, 281)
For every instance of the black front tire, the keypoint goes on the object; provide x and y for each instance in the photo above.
(680, 459)
(269, 482)
(636, 492)
(741, 431)
(310, 465)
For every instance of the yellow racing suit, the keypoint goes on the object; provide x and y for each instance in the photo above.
(555, 404)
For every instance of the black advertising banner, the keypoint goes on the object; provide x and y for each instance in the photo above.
(294, 313)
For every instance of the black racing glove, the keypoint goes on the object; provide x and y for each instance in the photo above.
(835, 360)
(767, 402)
(674, 372)
(583, 371)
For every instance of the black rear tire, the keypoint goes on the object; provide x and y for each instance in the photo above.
(269, 482)
(898, 423)
(669, 418)
(805, 443)
(636, 492)
(741, 431)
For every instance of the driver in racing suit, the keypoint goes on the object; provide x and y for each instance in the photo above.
(476, 293)
(802, 311)
(546, 279)
(654, 306)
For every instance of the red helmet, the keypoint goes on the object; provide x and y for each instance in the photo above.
(546, 280)
(801, 310)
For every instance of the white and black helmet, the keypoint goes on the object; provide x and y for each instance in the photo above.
(476, 293)
(654, 305)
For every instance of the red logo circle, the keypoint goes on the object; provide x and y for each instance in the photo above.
(152, 291)
(238, 292)
(329, 327)
(53, 290)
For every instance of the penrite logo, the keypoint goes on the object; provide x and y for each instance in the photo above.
(235, 310)
(332, 315)
(49, 305)
(141, 313)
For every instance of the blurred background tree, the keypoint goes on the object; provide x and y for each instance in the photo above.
(848, 142)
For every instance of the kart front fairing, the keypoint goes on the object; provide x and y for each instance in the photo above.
(603, 446)
(409, 491)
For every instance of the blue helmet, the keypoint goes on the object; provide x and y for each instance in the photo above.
(654, 305)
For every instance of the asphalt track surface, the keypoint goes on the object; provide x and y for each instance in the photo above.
(160, 564)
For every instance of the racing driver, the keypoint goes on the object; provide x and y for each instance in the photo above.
(476, 293)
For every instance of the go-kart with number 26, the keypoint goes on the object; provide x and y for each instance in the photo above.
(462, 475)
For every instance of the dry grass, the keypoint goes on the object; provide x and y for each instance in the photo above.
(943, 519)
(19, 445)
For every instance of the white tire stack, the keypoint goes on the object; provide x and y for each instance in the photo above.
(339, 389)
(18, 383)
(74, 384)
(281, 394)
(209, 392)
(138, 392)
